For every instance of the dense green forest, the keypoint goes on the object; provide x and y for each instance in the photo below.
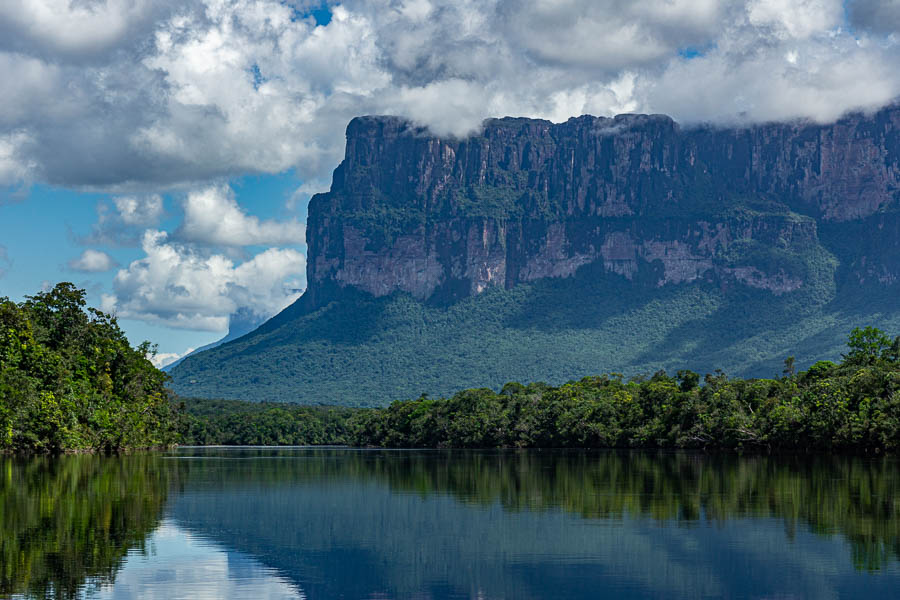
(853, 405)
(235, 423)
(364, 351)
(70, 380)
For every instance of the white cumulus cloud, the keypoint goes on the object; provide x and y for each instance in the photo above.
(161, 359)
(92, 261)
(141, 95)
(71, 27)
(15, 166)
(179, 286)
(212, 217)
(796, 18)
(142, 211)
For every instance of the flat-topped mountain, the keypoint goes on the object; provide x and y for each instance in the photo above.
(536, 250)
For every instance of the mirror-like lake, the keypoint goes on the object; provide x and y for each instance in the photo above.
(324, 523)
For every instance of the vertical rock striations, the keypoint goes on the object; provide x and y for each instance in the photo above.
(443, 219)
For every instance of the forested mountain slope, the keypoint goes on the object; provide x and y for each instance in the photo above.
(547, 251)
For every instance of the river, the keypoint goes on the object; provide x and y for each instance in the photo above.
(325, 523)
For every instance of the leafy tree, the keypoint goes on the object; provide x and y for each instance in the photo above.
(893, 353)
(69, 379)
(867, 346)
(790, 366)
(688, 380)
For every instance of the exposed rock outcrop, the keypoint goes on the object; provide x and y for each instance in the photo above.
(529, 199)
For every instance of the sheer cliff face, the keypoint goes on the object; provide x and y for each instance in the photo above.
(644, 198)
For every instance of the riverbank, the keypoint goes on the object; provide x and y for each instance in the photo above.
(70, 382)
(852, 406)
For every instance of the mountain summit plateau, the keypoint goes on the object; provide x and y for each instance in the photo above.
(542, 251)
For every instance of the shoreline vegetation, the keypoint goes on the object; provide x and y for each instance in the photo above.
(851, 406)
(70, 381)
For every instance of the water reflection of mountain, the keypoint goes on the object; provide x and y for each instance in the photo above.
(348, 523)
(353, 524)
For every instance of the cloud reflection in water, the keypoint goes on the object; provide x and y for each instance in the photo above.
(178, 565)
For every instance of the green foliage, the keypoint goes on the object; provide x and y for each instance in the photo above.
(498, 202)
(766, 258)
(363, 351)
(235, 423)
(383, 222)
(868, 346)
(854, 406)
(851, 406)
(66, 520)
(70, 380)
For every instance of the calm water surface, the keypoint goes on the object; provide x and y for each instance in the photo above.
(343, 523)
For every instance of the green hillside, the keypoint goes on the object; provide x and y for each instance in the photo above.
(361, 351)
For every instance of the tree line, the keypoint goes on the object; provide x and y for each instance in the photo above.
(70, 380)
(235, 423)
(852, 405)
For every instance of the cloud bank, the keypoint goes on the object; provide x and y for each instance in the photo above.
(181, 286)
(141, 94)
(212, 217)
(193, 277)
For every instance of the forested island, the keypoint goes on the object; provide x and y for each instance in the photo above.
(70, 380)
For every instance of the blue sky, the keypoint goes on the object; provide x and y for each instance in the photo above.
(161, 153)
(45, 227)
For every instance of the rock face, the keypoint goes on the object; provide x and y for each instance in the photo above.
(544, 252)
(767, 207)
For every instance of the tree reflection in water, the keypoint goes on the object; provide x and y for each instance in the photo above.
(346, 521)
(70, 520)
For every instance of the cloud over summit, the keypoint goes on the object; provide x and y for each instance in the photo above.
(141, 95)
